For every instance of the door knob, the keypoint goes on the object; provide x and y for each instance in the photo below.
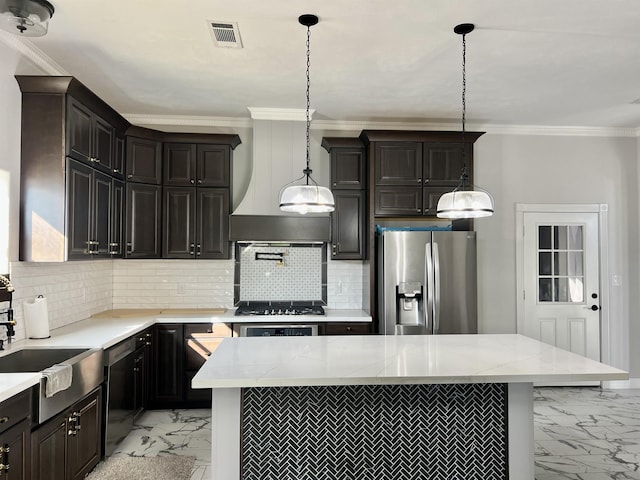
(595, 308)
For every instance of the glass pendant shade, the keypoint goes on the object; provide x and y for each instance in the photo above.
(29, 18)
(306, 199)
(465, 204)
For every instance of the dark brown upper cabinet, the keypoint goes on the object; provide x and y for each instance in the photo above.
(144, 160)
(213, 166)
(412, 170)
(143, 221)
(398, 163)
(90, 138)
(348, 184)
(196, 223)
(179, 164)
(61, 120)
(120, 151)
(92, 214)
(348, 163)
(198, 165)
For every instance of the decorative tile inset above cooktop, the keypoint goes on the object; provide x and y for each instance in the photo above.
(280, 272)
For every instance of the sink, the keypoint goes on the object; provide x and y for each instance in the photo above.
(87, 375)
(36, 359)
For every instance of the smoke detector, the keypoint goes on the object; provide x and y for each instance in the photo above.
(225, 34)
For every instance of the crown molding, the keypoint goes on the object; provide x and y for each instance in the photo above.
(357, 126)
(188, 120)
(287, 114)
(25, 47)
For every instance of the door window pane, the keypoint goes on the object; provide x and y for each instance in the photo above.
(561, 263)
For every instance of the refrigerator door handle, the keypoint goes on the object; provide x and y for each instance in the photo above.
(436, 293)
(428, 282)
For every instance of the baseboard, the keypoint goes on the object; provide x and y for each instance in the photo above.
(617, 384)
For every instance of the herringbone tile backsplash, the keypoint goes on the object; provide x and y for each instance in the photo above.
(375, 432)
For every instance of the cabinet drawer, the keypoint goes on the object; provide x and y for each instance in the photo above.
(217, 329)
(199, 347)
(15, 409)
(347, 328)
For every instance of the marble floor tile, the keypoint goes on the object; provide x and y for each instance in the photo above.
(580, 434)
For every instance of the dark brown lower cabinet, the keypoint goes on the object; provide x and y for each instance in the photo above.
(179, 350)
(346, 328)
(15, 452)
(168, 362)
(68, 446)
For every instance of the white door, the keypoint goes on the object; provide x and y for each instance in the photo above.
(561, 280)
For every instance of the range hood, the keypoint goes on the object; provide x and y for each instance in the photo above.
(279, 156)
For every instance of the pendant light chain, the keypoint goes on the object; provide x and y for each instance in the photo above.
(308, 170)
(465, 175)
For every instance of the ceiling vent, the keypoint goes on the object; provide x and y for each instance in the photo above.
(225, 34)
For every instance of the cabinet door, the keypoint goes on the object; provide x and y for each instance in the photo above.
(139, 381)
(144, 160)
(214, 166)
(431, 195)
(79, 209)
(212, 224)
(348, 225)
(15, 452)
(117, 168)
(78, 136)
(101, 217)
(103, 144)
(398, 201)
(443, 163)
(179, 222)
(348, 169)
(85, 435)
(117, 216)
(398, 163)
(168, 371)
(179, 164)
(49, 450)
(143, 221)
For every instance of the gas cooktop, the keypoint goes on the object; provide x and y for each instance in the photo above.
(271, 308)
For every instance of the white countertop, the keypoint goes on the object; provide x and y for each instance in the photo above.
(413, 359)
(108, 331)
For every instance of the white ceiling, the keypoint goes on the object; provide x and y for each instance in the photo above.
(529, 63)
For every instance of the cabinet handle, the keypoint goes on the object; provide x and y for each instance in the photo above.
(116, 170)
(191, 249)
(426, 180)
(199, 250)
(129, 247)
(333, 249)
(199, 181)
(129, 176)
(419, 180)
(97, 160)
(419, 210)
(335, 184)
(4, 419)
(192, 181)
(4, 458)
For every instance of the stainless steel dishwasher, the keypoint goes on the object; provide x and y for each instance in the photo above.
(119, 397)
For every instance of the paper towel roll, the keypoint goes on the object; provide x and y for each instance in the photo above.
(36, 318)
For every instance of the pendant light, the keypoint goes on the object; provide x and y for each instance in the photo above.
(29, 18)
(308, 197)
(465, 201)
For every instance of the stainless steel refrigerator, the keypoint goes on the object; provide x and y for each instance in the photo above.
(427, 282)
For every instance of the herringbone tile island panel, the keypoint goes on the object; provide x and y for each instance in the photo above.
(375, 432)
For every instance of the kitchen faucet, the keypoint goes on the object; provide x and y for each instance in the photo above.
(6, 294)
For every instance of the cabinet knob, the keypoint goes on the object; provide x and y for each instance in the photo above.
(4, 419)
(335, 184)
(116, 170)
(419, 180)
(97, 160)
(199, 181)
(418, 210)
(192, 181)
(129, 176)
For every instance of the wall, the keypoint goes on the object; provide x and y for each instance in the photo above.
(558, 169)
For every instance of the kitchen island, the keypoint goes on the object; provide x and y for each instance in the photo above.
(381, 407)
